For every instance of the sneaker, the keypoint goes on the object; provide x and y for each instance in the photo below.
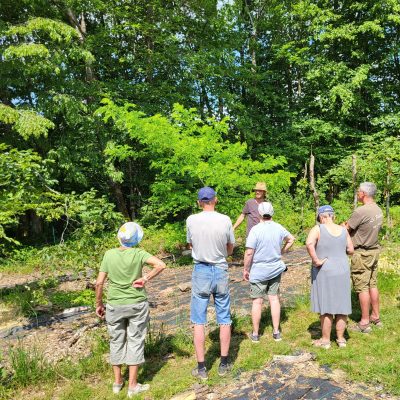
(139, 388)
(223, 369)
(200, 373)
(277, 336)
(117, 387)
(254, 338)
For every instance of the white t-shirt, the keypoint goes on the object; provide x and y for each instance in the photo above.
(266, 239)
(209, 232)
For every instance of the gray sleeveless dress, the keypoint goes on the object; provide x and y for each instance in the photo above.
(330, 284)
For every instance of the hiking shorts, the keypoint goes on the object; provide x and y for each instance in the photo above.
(127, 327)
(364, 269)
(207, 280)
(270, 287)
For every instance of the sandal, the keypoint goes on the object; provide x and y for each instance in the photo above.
(363, 328)
(377, 322)
(341, 342)
(320, 343)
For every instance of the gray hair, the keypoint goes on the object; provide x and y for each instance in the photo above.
(368, 188)
(327, 214)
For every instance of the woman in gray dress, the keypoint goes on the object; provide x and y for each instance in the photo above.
(328, 245)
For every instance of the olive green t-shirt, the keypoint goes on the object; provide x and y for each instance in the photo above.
(122, 268)
(365, 222)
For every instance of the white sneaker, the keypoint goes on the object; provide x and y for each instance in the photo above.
(117, 387)
(139, 388)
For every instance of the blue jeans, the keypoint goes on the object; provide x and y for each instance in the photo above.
(208, 280)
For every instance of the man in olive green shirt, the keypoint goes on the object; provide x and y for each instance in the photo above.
(127, 309)
(364, 226)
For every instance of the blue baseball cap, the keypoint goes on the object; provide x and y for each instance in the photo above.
(206, 193)
(324, 209)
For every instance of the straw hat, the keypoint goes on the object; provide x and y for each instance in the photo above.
(260, 186)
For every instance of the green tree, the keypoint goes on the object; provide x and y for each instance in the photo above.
(188, 153)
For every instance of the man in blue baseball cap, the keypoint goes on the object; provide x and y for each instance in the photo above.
(210, 236)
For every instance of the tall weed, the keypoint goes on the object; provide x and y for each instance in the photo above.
(29, 366)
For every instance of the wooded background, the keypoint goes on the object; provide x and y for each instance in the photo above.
(116, 110)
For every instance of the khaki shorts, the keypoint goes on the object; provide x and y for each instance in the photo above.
(270, 287)
(364, 269)
(127, 327)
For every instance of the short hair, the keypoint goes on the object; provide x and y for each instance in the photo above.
(369, 188)
(206, 201)
(327, 214)
(266, 216)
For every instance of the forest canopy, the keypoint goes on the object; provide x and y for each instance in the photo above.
(117, 110)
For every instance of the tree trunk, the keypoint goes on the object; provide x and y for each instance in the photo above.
(253, 41)
(119, 199)
(220, 107)
(81, 29)
(354, 178)
(131, 191)
(312, 181)
(303, 198)
(387, 190)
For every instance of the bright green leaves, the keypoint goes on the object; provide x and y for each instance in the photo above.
(23, 180)
(26, 185)
(188, 153)
(346, 94)
(26, 50)
(56, 31)
(377, 159)
(27, 123)
(113, 153)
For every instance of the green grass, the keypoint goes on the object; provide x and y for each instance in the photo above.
(372, 358)
(29, 366)
(24, 301)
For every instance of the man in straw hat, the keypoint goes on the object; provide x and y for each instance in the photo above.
(127, 309)
(250, 209)
(210, 236)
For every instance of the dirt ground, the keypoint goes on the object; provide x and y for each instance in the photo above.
(67, 335)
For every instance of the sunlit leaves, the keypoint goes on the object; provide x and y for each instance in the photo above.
(187, 153)
(27, 123)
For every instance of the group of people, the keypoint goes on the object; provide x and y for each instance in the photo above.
(210, 236)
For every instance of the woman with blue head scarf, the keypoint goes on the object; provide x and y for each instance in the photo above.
(127, 308)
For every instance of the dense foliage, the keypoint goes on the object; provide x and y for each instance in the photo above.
(138, 103)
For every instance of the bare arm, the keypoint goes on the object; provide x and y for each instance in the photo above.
(349, 246)
(229, 249)
(347, 226)
(248, 258)
(288, 243)
(157, 266)
(239, 221)
(311, 242)
(101, 278)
